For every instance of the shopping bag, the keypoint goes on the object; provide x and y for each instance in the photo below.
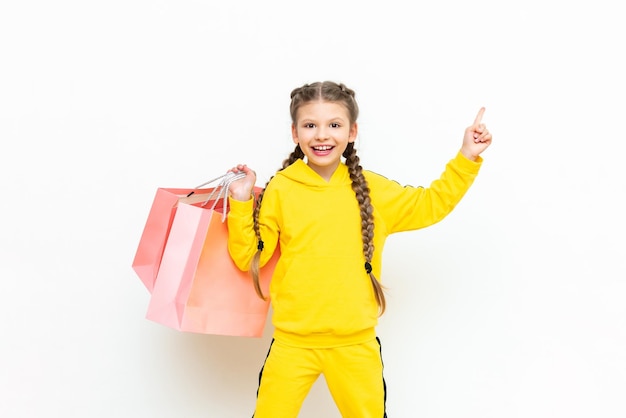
(156, 230)
(198, 287)
(157, 227)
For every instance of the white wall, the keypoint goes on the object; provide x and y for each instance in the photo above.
(512, 306)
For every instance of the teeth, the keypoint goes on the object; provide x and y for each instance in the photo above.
(323, 148)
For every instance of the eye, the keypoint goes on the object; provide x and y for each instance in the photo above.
(309, 125)
(335, 125)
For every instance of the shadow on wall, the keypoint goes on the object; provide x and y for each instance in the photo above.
(207, 371)
(217, 373)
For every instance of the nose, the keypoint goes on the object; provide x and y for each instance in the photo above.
(322, 134)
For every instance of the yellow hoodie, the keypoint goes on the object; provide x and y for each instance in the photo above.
(321, 294)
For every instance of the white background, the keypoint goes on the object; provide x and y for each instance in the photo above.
(513, 306)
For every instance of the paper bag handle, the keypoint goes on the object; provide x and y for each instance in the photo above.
(221, 190)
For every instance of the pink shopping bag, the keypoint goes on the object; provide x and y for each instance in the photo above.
(156, 230)
(198, 287)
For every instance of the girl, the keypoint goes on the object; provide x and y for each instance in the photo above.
(330, 219)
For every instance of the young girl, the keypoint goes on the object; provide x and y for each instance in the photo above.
(330, 220)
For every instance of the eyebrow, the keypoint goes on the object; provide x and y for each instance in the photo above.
(336, 119)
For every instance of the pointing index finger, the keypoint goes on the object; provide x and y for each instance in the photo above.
(479, 116)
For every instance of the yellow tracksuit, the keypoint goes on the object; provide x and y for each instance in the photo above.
(322, 297)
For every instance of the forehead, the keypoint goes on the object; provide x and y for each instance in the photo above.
(323, 110)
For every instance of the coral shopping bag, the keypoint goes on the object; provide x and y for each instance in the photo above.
(198, 288)
(156, 230)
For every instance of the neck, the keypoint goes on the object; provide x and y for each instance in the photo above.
(325, 172)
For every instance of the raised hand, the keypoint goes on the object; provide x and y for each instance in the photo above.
(242, 189)
(476, 138)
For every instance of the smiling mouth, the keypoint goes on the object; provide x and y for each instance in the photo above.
(323, 148)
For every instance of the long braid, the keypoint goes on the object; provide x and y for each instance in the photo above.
(297, 154)
(362, 192)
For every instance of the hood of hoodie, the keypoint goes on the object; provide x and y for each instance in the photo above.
(300, 172)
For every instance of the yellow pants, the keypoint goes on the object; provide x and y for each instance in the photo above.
(354, 375)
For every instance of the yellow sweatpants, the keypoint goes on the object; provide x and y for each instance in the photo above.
(354, 375)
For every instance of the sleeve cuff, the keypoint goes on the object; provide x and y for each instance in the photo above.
(240, 206)
(466, 164)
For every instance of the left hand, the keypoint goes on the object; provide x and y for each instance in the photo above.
(476, 138)
(242, 189)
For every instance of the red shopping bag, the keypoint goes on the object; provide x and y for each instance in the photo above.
(198, 287)
(156, 230)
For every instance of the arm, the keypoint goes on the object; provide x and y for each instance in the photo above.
(408, 208)
(242, 238)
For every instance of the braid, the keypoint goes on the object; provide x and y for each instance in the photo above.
(255, 270)
(296, 155)
(362, 192)
(255, 264)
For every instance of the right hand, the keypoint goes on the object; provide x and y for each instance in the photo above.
(476, 138)
(242, 189)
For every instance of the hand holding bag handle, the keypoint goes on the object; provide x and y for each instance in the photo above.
(219, 192)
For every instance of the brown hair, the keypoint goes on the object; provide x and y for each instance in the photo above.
(338, 93)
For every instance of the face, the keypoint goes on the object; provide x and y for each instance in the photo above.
(323, 131)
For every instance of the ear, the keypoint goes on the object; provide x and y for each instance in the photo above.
(354, 130)
(294, 133)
